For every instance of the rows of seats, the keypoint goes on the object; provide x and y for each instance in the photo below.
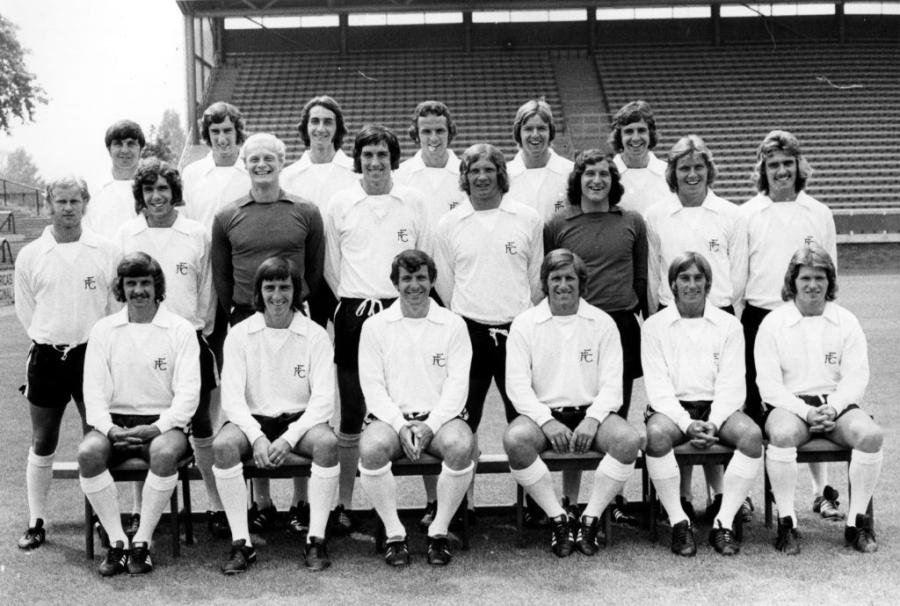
(842, 101)
(482, 89)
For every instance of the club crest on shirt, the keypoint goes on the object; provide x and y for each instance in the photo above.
(403, 235)
(831, 357)
(716, 360)
(809, 240)
(90, 283)
(714, 245)
(453, 204)
(161, 364)
(511, 248)
(300, 371)
(586, 355)
(439, 359)
(181, 268)
(560, 204)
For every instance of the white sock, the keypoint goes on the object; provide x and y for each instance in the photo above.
(301, 490)
(451, 488)
(536, 481)
(667, 480)
(865, 467)
(348, 457)
(781, 465)
(232, 489)
(203, 456)
(261, 492)
(818, 473)
(323, 489)
(739, 477)
(157, 492)
(104, 498)
(38, 473)
(381, 486)
(609, 478)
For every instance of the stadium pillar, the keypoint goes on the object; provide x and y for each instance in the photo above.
(592, 29)
(343, 25)
(467, 30)
(840, 22)
(191, 64)
(715, 15)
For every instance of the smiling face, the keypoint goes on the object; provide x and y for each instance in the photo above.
(812, 287)
(690, 289)
(691, 178)
(140, 295)
(781, 175)
(223, 138)
(414, 287)
(67, 207)
(434, 137)
(158, 207)
(535, 136)
(375, 161)
(595, 183)
(563, 288)
(636, 143)
(263, 163)
(277, 296)
(484, 185)
(125, 154)
(321, 127)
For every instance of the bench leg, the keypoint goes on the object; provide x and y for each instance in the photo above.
(176, 527)
(607, 524)
(520, 515)
(188, 514)
(654, 515)
(645, 497)
(88, 529)
(464, 508)
(767, 498)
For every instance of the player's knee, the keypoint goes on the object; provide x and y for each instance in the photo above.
(44, 441)
(781, 435)
(458, 452)
(163, 458)
(659, 442)
(750, 440)
(325, 449)
(518, 447)
(91, 457)
(870, 439)
(373, 452)
(625, 444)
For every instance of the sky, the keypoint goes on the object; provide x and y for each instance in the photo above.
(99, 61)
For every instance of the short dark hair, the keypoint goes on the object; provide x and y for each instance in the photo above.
(69, 181)
(148, 171)
(593, 156)
(478, 152)
(431, 108)
(411, 260)
(216, 114)
(330, 104)
(634, 111)
(125, 129)
(373, 134)
(686, 260)
(137, 265)
(783, 141)
(559, 258)
(277, 268)
(534, 107)
(687, 145)
(811, 255)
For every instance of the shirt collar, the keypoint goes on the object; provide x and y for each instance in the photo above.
(709, 203)
(803, 199)
(48, 242)
(573, 212)
(340, 158)
(416, 163)
(163, 317)
(507, 204)
(542, 311)
(139, 224)
(360, 194)
(670, 314)
(556, 164)
(394, 313)
(299, 323)
(654, 165)
(247, 199)
(794, 316)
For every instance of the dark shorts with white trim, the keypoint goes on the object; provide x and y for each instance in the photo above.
(54, 374)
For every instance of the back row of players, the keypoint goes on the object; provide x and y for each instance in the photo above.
(420, 378)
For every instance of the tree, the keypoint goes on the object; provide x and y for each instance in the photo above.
(19, 166)
(166, 141)
(19, 92)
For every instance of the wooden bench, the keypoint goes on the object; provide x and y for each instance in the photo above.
(135, 470)
(817, 450)
(686, 455)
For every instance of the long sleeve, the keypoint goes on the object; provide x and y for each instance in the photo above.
(854, 370)
(731, 388)
(98, 383)
(24, 295)
(609, 377)
(234, 386)
(320, 406)
(535, 260)
(315, 251)
(332, 267)
(455, 389)
(737, 261)
(206, 301)
(373, 377)
(640, 266)
(519, 386)
(185, 381)
(660, 390)
(443, 261)
(654, 261)
(222, 270)
(769, 376)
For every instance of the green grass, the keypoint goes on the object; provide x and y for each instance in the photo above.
(495, 570)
